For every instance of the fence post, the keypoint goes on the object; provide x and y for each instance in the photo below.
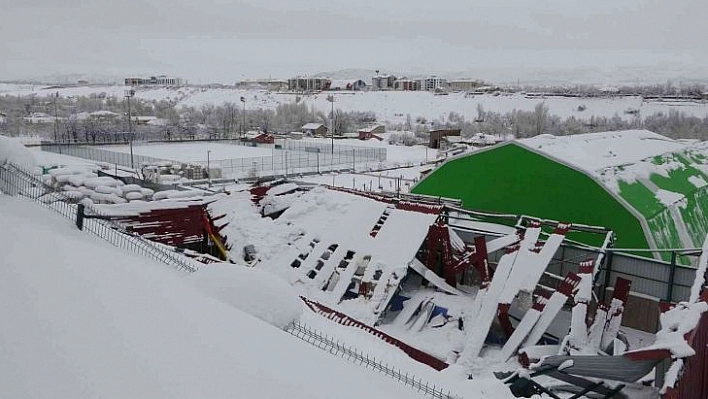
(672, 275)
(80, 216)
(608, 271)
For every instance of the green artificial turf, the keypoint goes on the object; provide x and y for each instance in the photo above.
(512, 179)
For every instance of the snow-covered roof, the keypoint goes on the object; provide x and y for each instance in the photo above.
(104, 113)
(595, 151)
(312, 126)
(315, 223)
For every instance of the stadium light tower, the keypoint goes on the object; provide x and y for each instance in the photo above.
(243, 124)
(128, 94)
(330, 98)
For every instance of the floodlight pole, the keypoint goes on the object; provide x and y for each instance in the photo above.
(330, 98)
(128, 94)
(243, 125)
(56, 119)
(208, 170)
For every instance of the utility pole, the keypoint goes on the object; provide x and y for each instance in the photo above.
(128, 94)
(330, 98)
(56, 119)
(208, 170)
(243, 124)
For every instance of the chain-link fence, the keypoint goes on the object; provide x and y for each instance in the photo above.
(103, 155)
(290, 158)
(18, 182)
(331, 345)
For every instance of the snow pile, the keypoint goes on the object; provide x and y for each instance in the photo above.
(13, 151)
(697, 181)
(275, 203)
(243, 225)
(594, 151)
(669, 198)
(253, 291)
(90, 320)
(676, 323)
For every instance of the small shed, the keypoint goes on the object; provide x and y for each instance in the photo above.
(371, 132)
(314, 129)
(436, 136)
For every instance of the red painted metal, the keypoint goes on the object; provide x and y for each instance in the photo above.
(419, 207)
(622, 287)
(586, 267)
(258, 192)
(693, 383)
(439, 251)
(339, 317)
(179, 227)
(569, 284)
(504, 320)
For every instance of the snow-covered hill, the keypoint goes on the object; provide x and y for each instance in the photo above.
(391, 107)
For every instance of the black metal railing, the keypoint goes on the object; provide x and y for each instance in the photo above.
(19, 182)
(334, 347)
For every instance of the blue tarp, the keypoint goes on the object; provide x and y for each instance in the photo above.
(396, 303)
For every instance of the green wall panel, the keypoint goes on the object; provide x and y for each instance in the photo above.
(512, 179)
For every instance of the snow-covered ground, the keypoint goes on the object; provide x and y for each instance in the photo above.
(390, 107)
(90, 320)
(194, 152)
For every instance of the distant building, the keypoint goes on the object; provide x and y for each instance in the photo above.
(314, 129)
(353, 85)
(39, 118)
(436, 136)
(434, 83)
(464, 84)
(161, 80)
(82, 82)
(2, 117)
(483, 140)
(267, 84)
(406, 84)
(371, 132)
(309, 84)
(383, 82)
(256, 136)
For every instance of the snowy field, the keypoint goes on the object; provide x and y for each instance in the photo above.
(194, 152)
(390, 107)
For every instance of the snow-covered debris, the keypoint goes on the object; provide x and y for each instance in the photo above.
(13, 151)
(253, 291)
(282, 189)
(94, 182)
(90, 320)
(243, 225)
(675, 323)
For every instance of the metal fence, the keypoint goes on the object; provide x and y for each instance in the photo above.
(656, 278)
(290, 158)
(329, 344)
(18, 182)
(102, 155)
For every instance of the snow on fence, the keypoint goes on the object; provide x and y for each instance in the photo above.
(16, 181)
(102, 155)
(341, 318)
(291, 158)
(329, 344)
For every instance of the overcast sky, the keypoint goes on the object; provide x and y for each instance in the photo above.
(225, 41)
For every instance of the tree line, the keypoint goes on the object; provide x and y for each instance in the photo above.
(228, 120)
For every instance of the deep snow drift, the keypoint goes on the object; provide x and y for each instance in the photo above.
(84, 319)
